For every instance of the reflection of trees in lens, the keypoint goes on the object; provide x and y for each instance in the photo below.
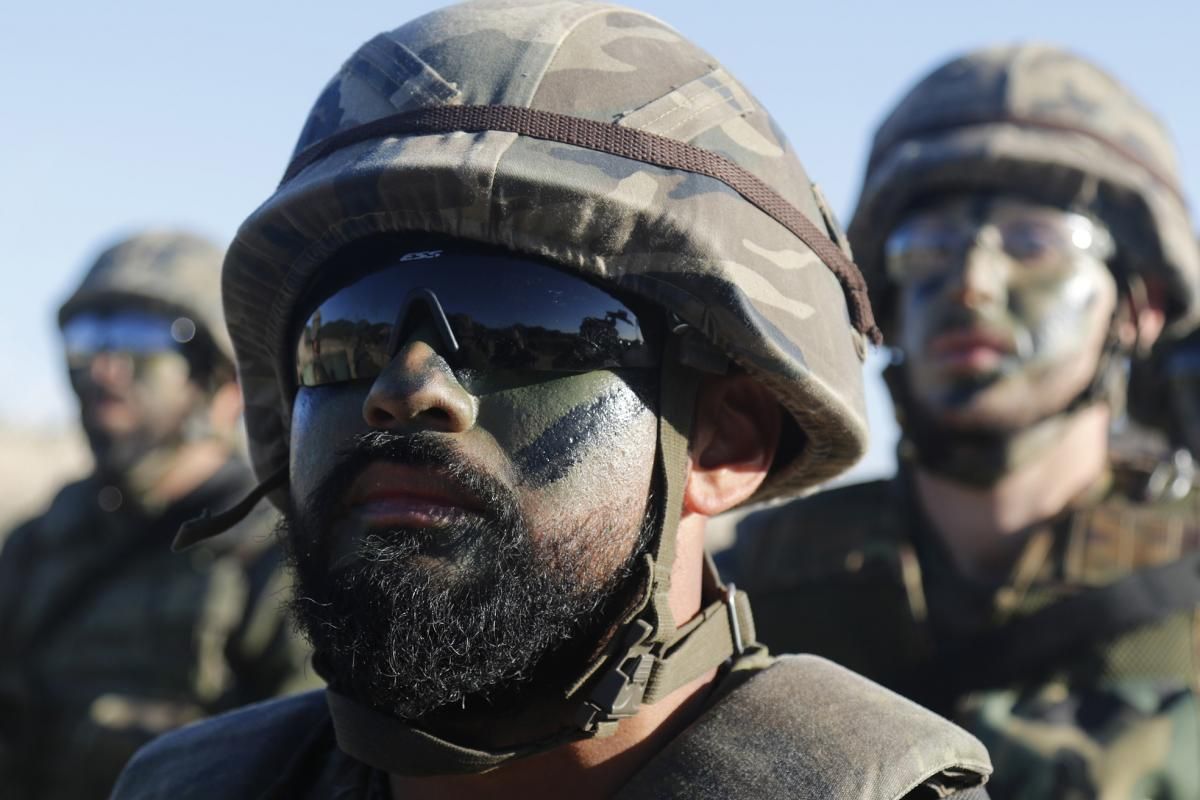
(347, 349)
(512, 348)
(598, 343)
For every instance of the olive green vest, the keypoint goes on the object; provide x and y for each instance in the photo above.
(807, 728)
(799, 728)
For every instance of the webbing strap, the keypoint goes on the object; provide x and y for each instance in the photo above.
(394, 745)
(706, 642)
(1063, 630)
(205, 526)
(656, 657)
(624, 142)
(677, 404)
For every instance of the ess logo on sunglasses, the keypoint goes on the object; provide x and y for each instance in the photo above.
(421, 255)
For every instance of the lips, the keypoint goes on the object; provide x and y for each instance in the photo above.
(396, 495)
(971, 349)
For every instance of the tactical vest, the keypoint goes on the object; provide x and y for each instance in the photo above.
(799, 728)
(108, 639)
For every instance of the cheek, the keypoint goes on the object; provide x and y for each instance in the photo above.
(322, 420)
(587, 433)
(1067, 319)
(162, 389)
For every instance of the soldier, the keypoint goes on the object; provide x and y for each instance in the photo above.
(107, 639)
(1023, 233)
(543, 289)
(1180, 362)
(1165, 395)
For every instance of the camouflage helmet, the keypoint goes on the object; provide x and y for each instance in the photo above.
(1039, 121)
(171, 271)
(486, 121)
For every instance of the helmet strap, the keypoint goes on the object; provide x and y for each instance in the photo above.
(655, 656)
(648, 658)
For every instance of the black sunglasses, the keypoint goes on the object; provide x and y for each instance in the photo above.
(491, 312)
(139, 333)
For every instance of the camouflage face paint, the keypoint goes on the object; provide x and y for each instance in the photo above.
(1008, 324)
(554, 476)
(132, 406)
(569, 446)
(555, 426)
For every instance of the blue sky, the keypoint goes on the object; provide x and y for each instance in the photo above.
(124, 114)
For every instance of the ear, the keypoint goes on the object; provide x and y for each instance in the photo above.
(1141, 316)
(735, 434)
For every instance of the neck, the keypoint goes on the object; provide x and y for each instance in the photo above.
(985, 526)
(168, 475)
(595, 768)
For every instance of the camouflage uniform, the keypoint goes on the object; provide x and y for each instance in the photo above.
(597, 192)
(107, 638)
(1119, 715)
(870, 582)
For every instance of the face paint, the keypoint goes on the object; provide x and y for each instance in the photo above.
(459, 614)
(539, 484)
(133, 406)
(554, 426)
(1007, 328)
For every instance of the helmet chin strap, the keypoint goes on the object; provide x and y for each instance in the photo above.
(649, 657)
(982, 459)
(656, 656)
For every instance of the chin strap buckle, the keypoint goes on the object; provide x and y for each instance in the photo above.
(619, 692)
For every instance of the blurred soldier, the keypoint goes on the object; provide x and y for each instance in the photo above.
(107, 639)
(1165, 395)
(1022, 231)
(1180, 371)
(504, 358)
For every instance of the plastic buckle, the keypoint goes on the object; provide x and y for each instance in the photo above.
(618, 694)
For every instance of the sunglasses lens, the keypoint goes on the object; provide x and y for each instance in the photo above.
(88, 333)
(491, 312)
(1035, 239)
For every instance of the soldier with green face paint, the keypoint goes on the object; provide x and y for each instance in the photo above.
(1023, 233)
(543, 289)
(106, 638)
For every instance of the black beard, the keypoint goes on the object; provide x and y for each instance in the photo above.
(408, 637)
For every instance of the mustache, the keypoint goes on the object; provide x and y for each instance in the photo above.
(422, 449)
(91, 392)
(998, 326)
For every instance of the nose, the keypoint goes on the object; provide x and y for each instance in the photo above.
(982, 278)
(418, 391)
(112, 370)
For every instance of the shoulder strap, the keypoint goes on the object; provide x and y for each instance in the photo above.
(1059, 631)
(807, 728)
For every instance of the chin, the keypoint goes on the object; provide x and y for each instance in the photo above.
(1002, 407)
